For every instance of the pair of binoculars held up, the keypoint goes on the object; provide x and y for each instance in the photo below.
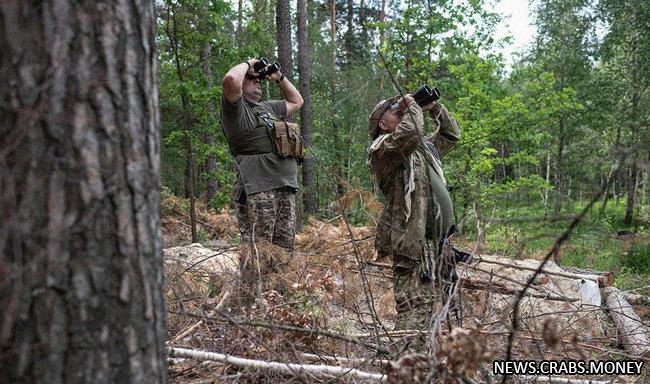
(426, 95)
(264, 70)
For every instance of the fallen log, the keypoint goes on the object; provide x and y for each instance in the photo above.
(479, 284)
(636, 299)
(286, 368)
(543, 290)
(630, 328)
(606, 277)
(603, 279)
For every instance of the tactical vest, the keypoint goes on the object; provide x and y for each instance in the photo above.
(271, 135)
(258, 140)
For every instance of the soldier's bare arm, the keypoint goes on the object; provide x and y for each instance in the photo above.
(232, 81)
(291, 95)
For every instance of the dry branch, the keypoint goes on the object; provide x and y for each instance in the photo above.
(285, 368)
(345, 360)
(198, 323)
(630, 327)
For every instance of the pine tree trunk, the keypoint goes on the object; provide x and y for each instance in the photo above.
(349, 34)
(240, 19)
(608, 185)
(338, 172)
(81, 276)
(283, 35)
(210, 164)
(548, 179)
(382, 15)
(631, 194)
(189, 168)
(309, 197)
(559, 169)
(185, 122)
(635, 95)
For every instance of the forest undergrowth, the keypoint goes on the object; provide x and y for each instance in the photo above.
(332, 303)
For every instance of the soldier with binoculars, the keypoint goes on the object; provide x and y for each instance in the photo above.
(266, 150)
(418, 214)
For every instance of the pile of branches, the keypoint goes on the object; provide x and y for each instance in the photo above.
(325, 314)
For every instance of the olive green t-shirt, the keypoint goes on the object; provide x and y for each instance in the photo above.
(263, 172)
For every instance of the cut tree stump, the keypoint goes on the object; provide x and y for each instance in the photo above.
(631, 329)
(636, 299)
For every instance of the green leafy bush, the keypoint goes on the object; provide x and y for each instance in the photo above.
(638, 258)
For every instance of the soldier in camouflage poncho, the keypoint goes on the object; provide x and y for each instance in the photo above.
(418, 212)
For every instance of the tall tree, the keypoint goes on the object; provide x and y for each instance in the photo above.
(205, 56)
(309, 195)
(338, 160)
(627, 48)
(283, 36)
(81, 269)
(190, 180)
(562, 49)
(210, 163)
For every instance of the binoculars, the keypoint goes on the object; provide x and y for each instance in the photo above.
(264, 70)
(426, 95)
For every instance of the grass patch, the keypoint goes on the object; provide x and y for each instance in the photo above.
(637, 258)
(519, 230)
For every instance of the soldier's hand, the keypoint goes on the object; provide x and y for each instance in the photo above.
(405, 101)
(251, 64)
(275, 75)
(429, 106)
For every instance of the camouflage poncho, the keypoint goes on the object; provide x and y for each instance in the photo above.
(399, 165)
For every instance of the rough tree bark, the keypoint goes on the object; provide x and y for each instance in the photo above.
(309, 195)
(186, 123)
(80, 251)
(348, 38)
(283, 36)
(338, 172)
(559, 169)
(635, 97)
(240, 17)
(631, 329)
(210, 164)
(631, 194)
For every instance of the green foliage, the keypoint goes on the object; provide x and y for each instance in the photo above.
(576, 91)
(638, 258)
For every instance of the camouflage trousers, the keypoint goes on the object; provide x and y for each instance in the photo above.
(269, 215)
(416, 297)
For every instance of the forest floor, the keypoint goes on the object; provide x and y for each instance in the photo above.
(331, 304)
